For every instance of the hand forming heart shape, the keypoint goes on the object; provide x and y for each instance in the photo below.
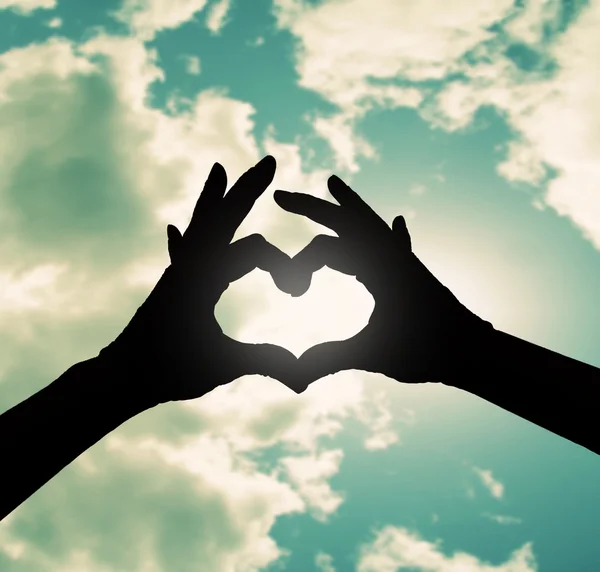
(418, 330)
(405, 328)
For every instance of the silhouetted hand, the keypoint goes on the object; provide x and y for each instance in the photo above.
(173, 348)
(419, 331)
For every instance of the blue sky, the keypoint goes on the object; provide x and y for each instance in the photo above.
(479, 123)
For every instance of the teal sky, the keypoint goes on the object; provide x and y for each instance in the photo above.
(477, 121)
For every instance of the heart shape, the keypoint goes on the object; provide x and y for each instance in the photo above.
(255, 309)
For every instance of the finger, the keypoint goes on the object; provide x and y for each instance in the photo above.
(255, 251)
(240, 199)
(268, 360)
(210, 197)
(174, 239)
(329, 358)
(324, 250)
(401, 232)
(350, 199)
(318, 210)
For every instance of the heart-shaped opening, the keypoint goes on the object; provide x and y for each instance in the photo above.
(254, 310)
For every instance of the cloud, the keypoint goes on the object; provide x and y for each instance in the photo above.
(192, 64)
(153, 504)
(54, 23)
(549, 105)
(529, 60)
(352, 52)
(309, 474)
(397, 548)
(503, 519)
(217, 16)
(148, 17)
(26, 7)
(495, 487)
(376, 415)
(324, 562)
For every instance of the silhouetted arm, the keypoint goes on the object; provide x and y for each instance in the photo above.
(420, 332)
(553, 391)
(43, 434)
(173, 348)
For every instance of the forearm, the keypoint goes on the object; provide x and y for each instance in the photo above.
(43, 434)
(553, 391)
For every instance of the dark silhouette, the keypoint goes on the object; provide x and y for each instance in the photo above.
(419, 331)
(173, 348)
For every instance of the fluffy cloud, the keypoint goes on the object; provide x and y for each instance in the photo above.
(148, 17)
(526, 60)
(352, 52)
(26, 7)
(324, 562)
(217, 16)
(395, 549)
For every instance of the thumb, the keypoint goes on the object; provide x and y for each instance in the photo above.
(329, 358)
(269, 360)
(174, 239)
(401, 232)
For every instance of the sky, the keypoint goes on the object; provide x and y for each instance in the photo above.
(478, 121)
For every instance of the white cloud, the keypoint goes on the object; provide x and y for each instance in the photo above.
(376, 415)
(344, 43)
(529, 22)
(555, 119)
(494, 486)
(310, 474)
(324, 562)
(417, 189)
(395, 549)
(503, 519)
(147, 17)
(258, 41)
(217, 15)
(30, 289)
(54, 23)
(26, 7)
(192, 65)
(351, 51)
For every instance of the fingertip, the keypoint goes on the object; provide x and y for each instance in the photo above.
(282, 197)
(335, 181)
(172, 232)
(268, 162)
(399, 223)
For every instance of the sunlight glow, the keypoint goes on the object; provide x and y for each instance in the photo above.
(335, 308)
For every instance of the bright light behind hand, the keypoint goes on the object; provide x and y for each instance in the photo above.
(335, 308)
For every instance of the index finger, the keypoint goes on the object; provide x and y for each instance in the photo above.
(351, 200)
(318, 210)
(240, 199)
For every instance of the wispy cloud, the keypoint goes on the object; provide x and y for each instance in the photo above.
(192, 64)
(217, 15)
(494, 486)
(395, 548)
(503, 519)
(324, 562)
(27, 7)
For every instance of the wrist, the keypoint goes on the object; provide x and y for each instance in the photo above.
(108, 382)
(473, 357)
